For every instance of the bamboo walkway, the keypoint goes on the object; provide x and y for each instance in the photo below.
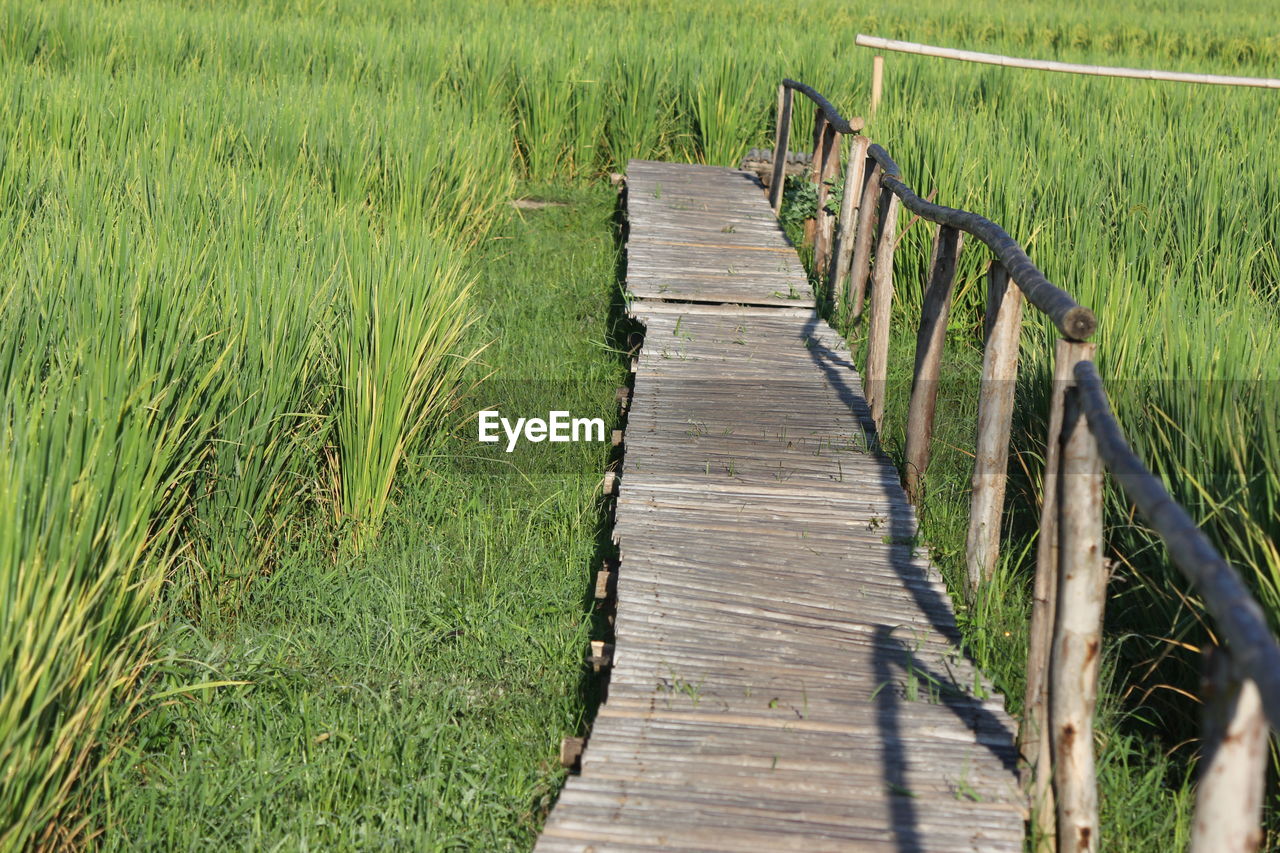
(784, 674)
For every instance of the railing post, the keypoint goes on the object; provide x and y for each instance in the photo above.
(816, 166)
(1233, 762)
(861, 264)
(881, 308)
(1033, 733)
(930, 339)
(842, 251)
(781, 138)
(829, 170)
(877, 81)
(995, 418)
(1077, 636)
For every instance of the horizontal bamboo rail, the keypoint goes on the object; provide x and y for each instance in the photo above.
(1063, 67)
(1084, 439)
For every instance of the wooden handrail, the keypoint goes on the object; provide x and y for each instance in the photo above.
(1084, 439)
(1237, 614)
(1072, 319)
(1076, 322)
(832, 115)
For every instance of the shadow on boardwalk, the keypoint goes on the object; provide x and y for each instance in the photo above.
(899, 672)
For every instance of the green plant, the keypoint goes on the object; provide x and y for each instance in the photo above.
(799, 201)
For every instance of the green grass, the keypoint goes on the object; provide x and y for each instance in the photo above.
(413, 695)
(238, 237)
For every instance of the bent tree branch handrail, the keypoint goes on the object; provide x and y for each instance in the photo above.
(1072, 319)
(1241, 619)
(839, 122)
(1084, 439)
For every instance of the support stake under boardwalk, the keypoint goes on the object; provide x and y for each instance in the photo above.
(571, 751)
(601, 655)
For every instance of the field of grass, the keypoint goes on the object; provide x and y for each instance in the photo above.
(254, 252)
(413, 695)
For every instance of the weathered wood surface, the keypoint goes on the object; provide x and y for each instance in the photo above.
(704, 236)
(784, 674)
(842, 252)
(930, 339)
(995, 423)
(1077, 634)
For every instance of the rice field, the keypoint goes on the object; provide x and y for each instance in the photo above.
(247, 254)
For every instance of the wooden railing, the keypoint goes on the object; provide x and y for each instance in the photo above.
(1243, 676)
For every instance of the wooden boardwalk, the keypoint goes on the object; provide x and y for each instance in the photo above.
(785, 675)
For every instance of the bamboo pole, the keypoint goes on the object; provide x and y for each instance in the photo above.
(1065, 67)
(881, 307)
(1033, 733)
(930, 338)
(861, 264)
(995, 419)
(829, 170)
(781, 138)
(842, 253)
(1077, 636)
(816, 167)
(877, 82)
(1233, 767)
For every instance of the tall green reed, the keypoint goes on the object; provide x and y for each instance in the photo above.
(105, 414)
(399, 357)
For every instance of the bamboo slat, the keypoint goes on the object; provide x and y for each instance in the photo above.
(783, 670)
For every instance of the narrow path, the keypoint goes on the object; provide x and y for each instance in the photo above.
(785, 674)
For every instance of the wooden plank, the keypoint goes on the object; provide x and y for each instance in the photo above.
(571, 751)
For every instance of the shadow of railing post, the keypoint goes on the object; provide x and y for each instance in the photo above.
(893, 657)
